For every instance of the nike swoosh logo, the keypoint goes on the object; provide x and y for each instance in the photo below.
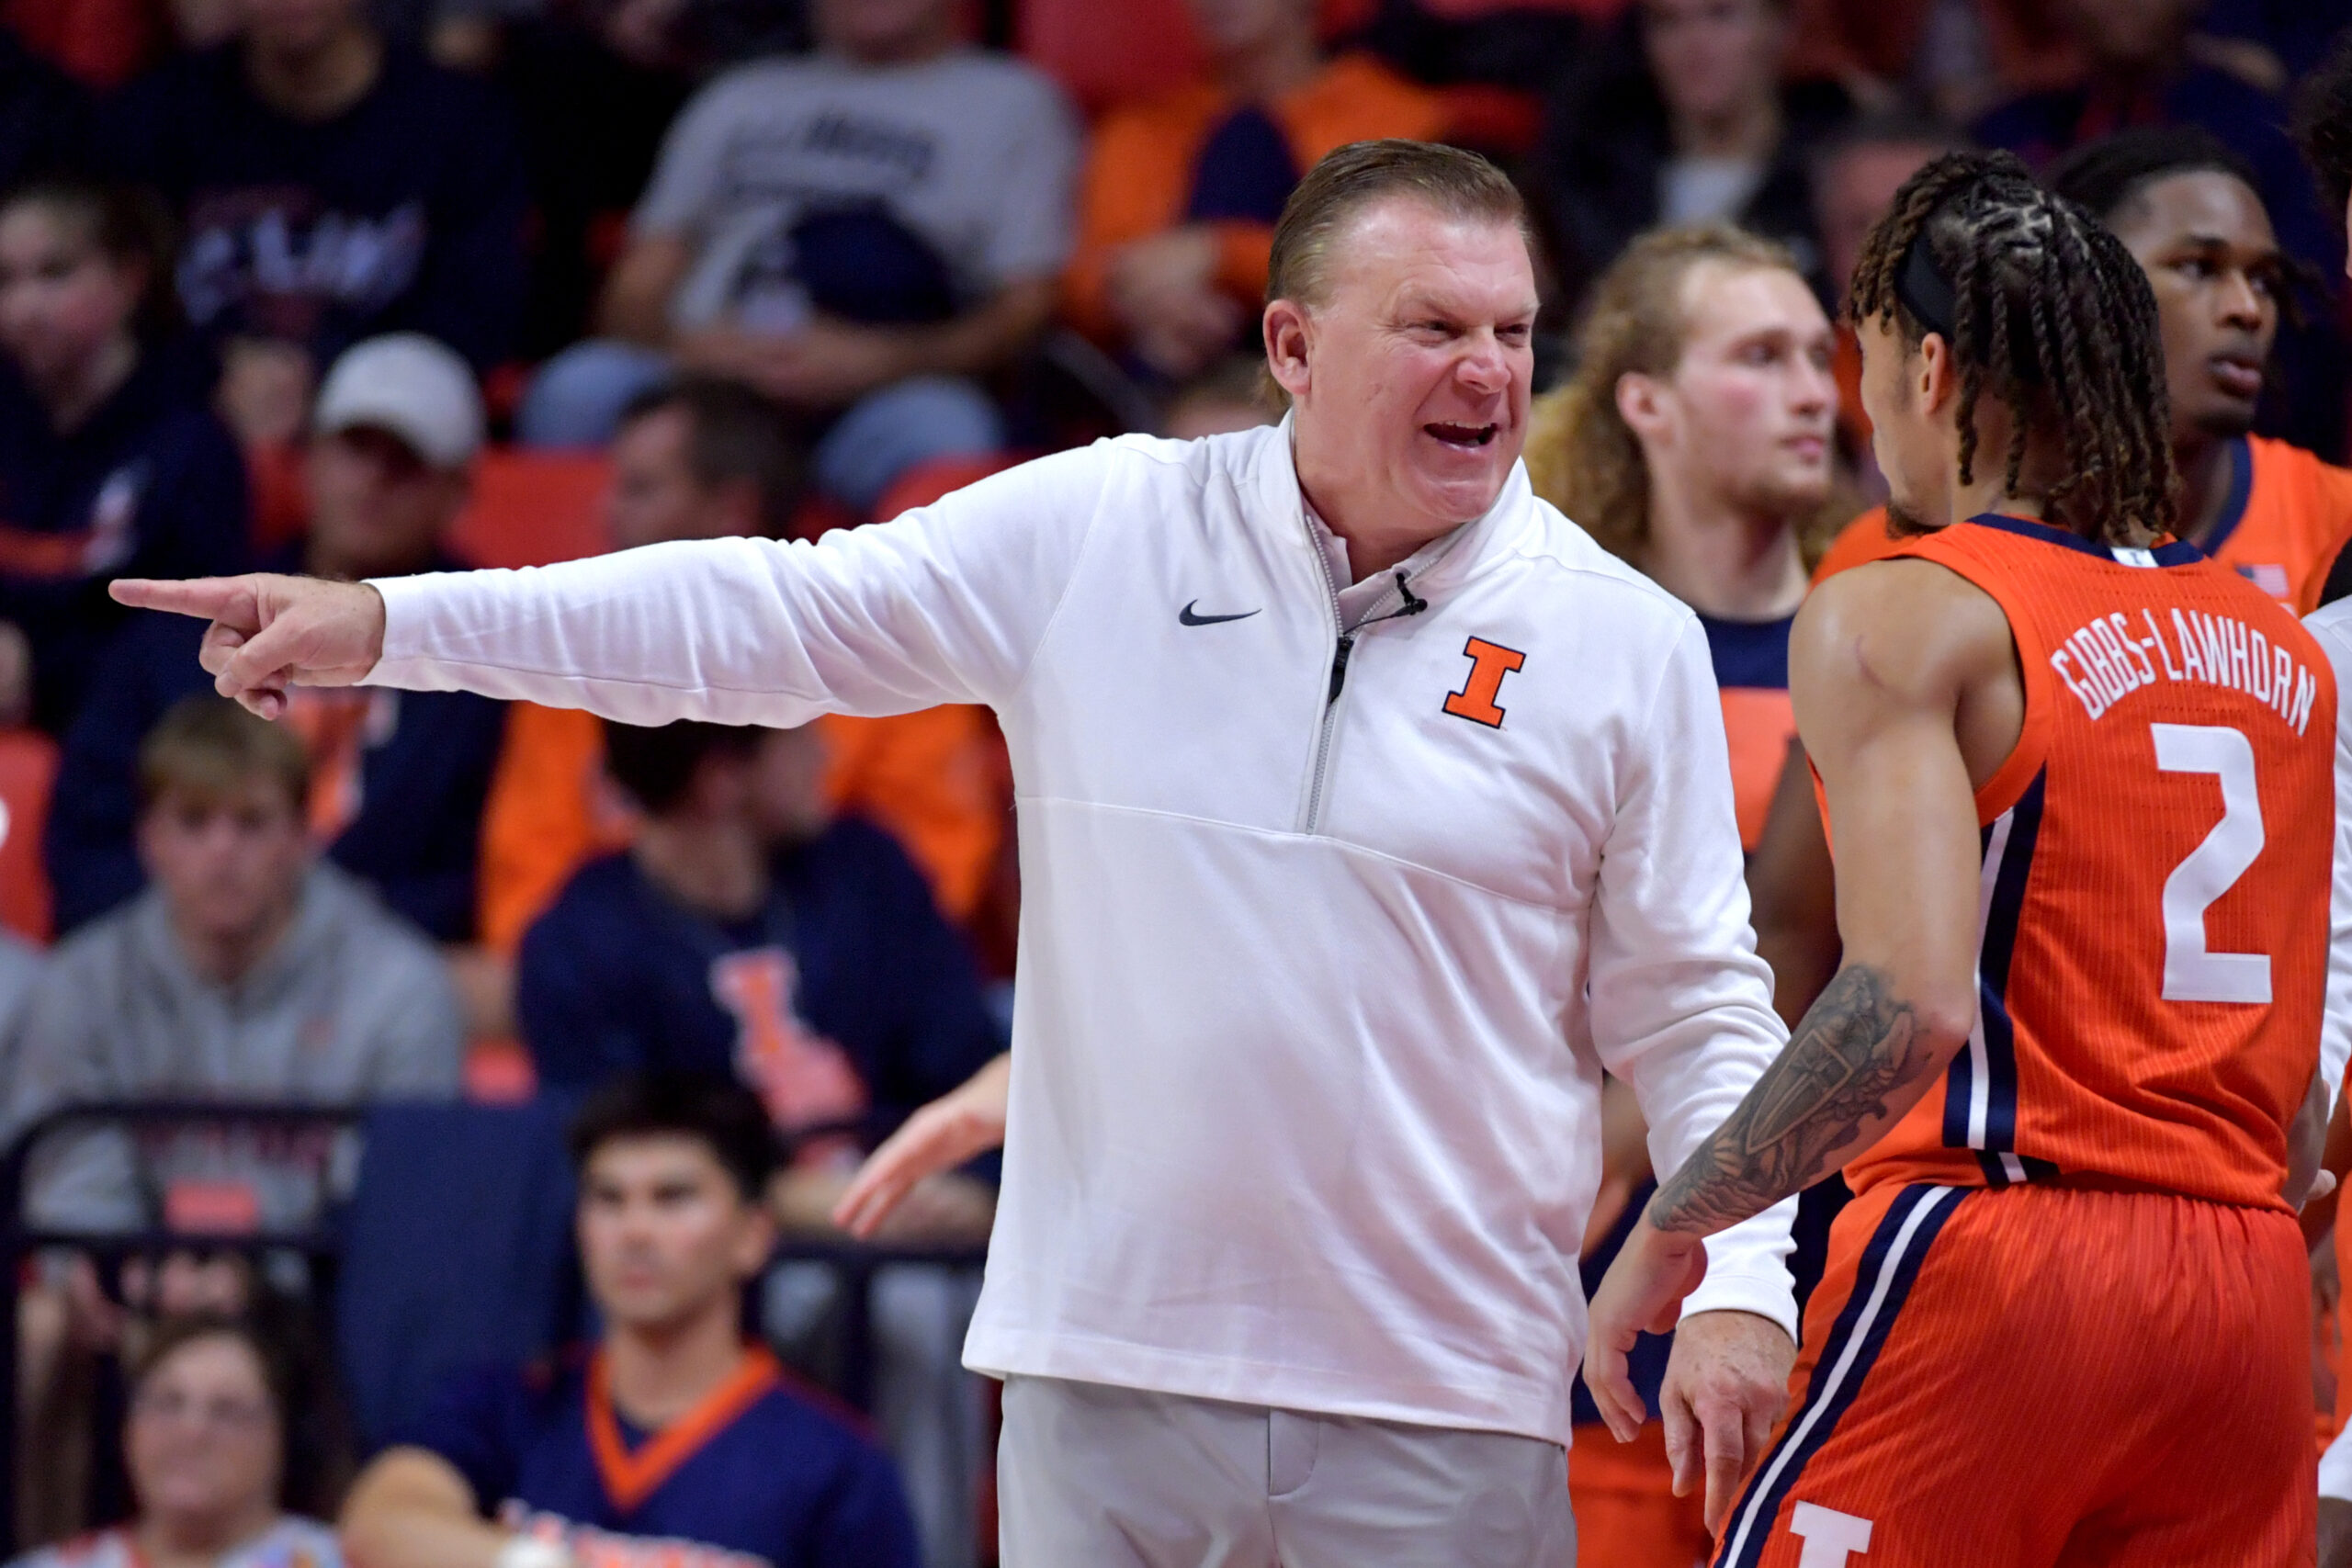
(1185, 616)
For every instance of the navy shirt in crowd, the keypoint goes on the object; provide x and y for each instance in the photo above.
(417, 767)
(760, 1475)
(404, 213)
(150, 485)
(848, 997)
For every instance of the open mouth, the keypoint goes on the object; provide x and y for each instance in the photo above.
(1467, 437)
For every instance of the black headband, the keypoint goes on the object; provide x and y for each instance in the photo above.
(1922, 289)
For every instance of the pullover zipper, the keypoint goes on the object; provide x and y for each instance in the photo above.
(1408, 604)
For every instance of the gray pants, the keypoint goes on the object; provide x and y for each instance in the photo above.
(1089, 1476)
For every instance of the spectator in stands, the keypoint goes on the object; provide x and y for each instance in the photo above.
(109, 463)
(2142, 71)
(331, 186)
(248, 970)
(672, 1441)
(705, 459)
(211, 1445)
(749, 930)
(861, 235)
(1182, 191)
(399, 779)
(1694, 126)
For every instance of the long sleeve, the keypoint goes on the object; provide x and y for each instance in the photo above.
(1681, 1006)
(946, 604)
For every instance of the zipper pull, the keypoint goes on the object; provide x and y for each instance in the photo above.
(1339, 668)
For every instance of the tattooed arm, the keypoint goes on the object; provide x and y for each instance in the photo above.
(1907, 697)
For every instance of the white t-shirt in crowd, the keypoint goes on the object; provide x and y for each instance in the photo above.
(974, 153)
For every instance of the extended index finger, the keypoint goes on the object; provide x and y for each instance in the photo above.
(230, 599)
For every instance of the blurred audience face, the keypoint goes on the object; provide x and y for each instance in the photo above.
(665, 1236)
(1746, 416)
(1417, 361)
(2128, 34)
(204, 1442)
(789, 801)
(230, 864)
(655, 495)
(1231, 27)
(377, 508)
(885, 29)
(1714, 58)
(1853, 188)
(298, 26)
(2218, 274)
(63, 301)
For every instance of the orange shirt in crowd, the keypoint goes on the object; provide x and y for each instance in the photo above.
(2287, 513)
(1140, 172)
(924, 776)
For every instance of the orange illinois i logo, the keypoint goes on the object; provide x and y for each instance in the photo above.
(1489, 662)
(803, 1077)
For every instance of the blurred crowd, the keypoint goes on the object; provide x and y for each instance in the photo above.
(368, 287)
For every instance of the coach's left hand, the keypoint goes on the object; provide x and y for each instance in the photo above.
(1727, 1384)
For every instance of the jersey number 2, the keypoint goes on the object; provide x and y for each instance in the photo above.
(2193, 974)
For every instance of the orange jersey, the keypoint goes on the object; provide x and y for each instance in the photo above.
(2287, 513)
(2158, 855)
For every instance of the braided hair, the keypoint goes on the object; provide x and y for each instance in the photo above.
(2046, 312)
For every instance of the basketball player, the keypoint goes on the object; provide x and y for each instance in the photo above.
(2081, 781)
(2186, 206)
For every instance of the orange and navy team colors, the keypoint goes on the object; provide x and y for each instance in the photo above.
(2068, 1313)
(1751, 660)
(762, 1474)
(2286, 516)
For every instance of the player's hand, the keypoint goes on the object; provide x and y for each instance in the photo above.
(270, 632)
(1643, 1289)
(1727, 1384)
(966, 1121)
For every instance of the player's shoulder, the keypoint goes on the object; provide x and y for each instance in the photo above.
(1904, 623)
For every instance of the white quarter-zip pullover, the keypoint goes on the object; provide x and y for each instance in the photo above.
(1327, 935)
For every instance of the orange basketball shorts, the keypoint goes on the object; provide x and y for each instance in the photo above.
(2037, 1376)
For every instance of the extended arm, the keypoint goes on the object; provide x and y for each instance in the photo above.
(1880, 665)
(946, 604)
(1878, 703)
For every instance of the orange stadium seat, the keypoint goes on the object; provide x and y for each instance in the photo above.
(533, 508)
(926, 482)
(28, 768)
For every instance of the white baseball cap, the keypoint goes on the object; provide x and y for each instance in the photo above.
(412, 386)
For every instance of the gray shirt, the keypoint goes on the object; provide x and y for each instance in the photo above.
(974, 153)
(353, 1006)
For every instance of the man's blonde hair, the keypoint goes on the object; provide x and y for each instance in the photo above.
(1581, 455)
(208, 747)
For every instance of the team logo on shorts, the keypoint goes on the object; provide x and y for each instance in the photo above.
(1832, 1539)
(1489, 662)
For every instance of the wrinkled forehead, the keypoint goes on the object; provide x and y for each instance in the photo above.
(1403, 253)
